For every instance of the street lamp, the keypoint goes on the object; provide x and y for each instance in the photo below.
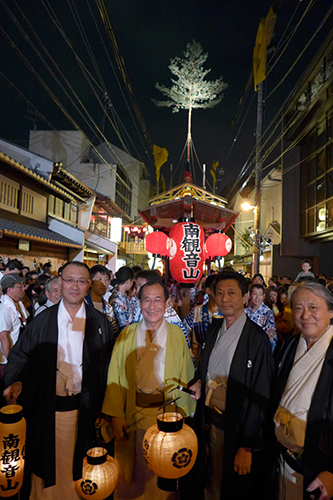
(247, 206)
(256, 240)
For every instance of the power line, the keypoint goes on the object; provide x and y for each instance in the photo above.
(302, 52)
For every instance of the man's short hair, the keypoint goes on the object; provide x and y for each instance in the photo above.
(14, 264)
(232, 275)
(314, 287)
(30, 274)
(257, 285)
(99, 269)
(49, 281)
(75, 263)
(152, 283)
(148, 275)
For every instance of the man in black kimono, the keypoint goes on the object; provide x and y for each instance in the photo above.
(58, 369)
(235, 371)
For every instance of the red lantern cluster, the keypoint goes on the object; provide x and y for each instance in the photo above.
(218, 245)
(186, 252)
(157, 242)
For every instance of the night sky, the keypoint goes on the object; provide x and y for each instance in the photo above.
(148, 34)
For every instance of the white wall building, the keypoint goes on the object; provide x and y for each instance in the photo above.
(270, 222)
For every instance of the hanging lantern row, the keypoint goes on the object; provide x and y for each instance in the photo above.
(170, 449)
(134, 231)
(186, 249)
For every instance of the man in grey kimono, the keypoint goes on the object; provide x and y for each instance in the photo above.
(236, 371)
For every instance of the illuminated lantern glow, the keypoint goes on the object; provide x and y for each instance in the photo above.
(170, 449)
(218, 245)
(116, 229)
(100, 474)
(186, 252)
(157, 243)
(12, 449)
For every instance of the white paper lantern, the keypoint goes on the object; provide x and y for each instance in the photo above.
(170, 449)
(100, 474)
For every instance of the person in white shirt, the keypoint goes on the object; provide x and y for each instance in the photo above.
(13, 315)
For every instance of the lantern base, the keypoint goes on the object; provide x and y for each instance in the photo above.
(167, 484)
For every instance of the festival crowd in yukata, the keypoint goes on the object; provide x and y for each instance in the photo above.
(249, 363)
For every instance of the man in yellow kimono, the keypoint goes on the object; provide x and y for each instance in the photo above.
(150, 359)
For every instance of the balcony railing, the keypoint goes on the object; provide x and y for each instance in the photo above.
(134, 247)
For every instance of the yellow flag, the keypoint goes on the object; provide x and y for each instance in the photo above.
(215, 164)
(160, 156)
(264, 36)
(213, 174)
(163, 183)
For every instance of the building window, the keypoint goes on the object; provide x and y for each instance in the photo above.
(316, 181)
(8, 194)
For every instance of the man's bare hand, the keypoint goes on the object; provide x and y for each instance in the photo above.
(243, 461)
(120, 428)
(324, 481)
(12, 393)
(196, 388)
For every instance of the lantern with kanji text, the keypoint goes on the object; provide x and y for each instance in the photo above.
(218, 245)
(12, 449)
(186, 252)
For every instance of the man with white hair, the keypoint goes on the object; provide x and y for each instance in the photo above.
(52, 291)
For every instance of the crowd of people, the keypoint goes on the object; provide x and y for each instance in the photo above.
(82, 349)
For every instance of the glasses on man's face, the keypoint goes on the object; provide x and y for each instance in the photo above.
(71, 281)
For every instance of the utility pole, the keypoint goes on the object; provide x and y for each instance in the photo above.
(257, 209)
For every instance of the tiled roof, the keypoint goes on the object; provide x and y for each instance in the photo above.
(17, 229)
(18, 166)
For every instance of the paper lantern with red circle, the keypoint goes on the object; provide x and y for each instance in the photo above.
(218, 245)
(157, 242)
(186, 252)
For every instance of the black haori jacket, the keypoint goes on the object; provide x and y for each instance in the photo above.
(33, 361)
(318, 445)
(247, 403)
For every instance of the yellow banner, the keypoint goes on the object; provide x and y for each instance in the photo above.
(215, 164)
(160, 157)
(264, 36)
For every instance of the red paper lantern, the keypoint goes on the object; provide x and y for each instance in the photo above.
(157, 242)
(218, 245)
(186, 252)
